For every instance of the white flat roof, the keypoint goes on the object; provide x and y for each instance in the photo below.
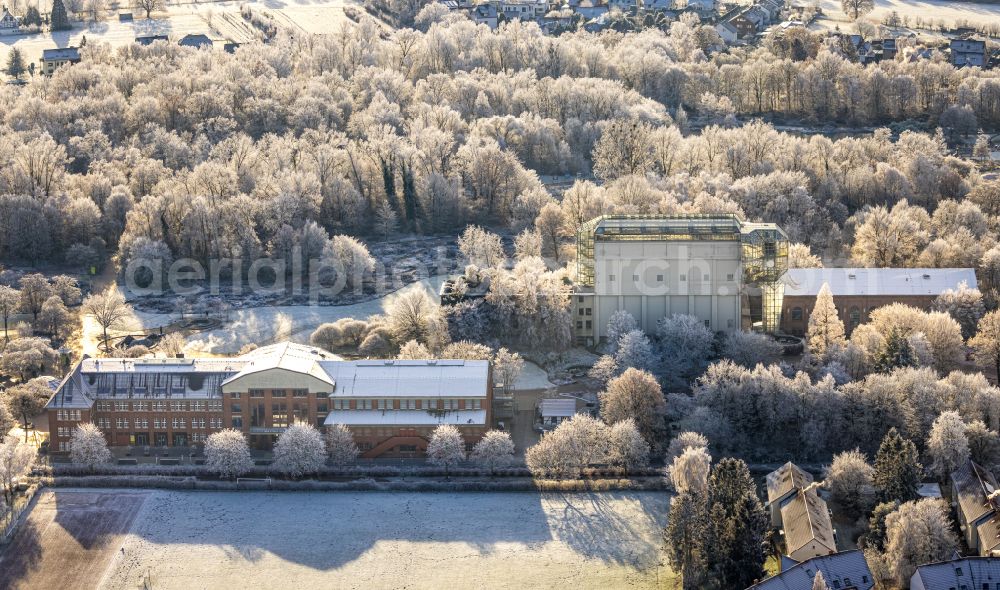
(432, 379)
(876, 281)
(563, 408)
(406, 418)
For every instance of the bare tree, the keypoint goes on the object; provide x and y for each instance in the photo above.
(508, 366)
(857, 8)
(10, 299)
(148, 6)
(109, 309)
(15, 460)
(27, 400)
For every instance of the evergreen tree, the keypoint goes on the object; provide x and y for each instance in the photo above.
(875, 537)
(685, 538)
(59, 20)
(738, 526)
(819, 583)
(826, 330)
(32, 16)
(15, 63)
(896, 353)
(897, 469)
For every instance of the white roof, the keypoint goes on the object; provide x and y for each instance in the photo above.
(296, 358)
(876, 281)
(398, 378)
(564, 408)
(406, 417)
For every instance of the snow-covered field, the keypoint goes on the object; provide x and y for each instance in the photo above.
(216, 19)
(394, 540)
(928, 10)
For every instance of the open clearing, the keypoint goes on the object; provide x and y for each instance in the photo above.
(241, 540)
(929, 10)
(68, 539)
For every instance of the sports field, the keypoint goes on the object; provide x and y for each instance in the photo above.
(221, 540)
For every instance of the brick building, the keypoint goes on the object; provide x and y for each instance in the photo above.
(391, 406)
(858, 291)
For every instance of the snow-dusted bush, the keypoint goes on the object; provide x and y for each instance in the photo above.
(446, 447)
(414, 350)
(88, 447)
(340, 445)
(635, 395)
(227, 453)
(682, 442)
(467, 350)
(627, 446)
(494, 450)
(300, 450)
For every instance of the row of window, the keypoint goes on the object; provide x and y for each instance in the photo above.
(159, 406)
(68, 415)
(176, 423)
(407, 404)
(684, 278)
(274, 393)
(853, 316)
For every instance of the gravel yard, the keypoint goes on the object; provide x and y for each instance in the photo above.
(394, 540)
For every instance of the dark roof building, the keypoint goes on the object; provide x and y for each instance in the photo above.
(971, 573)
(846, 570)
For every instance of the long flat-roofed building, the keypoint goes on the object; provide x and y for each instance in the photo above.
(859, 291)
(719, 268)
(391, 406)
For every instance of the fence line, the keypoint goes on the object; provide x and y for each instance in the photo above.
(8, 524)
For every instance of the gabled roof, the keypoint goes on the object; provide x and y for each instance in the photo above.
(973, 484)
(296, 358)
(971, 572)
(847, 569)
(68, 53)
(784, 479)
(876, 281)
(805, 518)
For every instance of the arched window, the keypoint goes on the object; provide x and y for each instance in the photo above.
(796, 313)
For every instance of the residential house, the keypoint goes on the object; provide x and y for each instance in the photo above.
(969, 573)
(195, 40)
(485, 14)
(973, 491)
(806, 526)
(702, 5)
(53, 59)
(846, 570)
(750, 21)
(523, 9)
(859, 291)
(782, 483)
(968, 51)
(889, 48)
(589, 9)
(9, 24)
(772, 8)
(728, 32)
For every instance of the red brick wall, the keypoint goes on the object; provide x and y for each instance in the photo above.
(864, 304)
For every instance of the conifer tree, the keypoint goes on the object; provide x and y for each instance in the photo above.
(15, 63)
(826, 329)
(897, 469)
(685, 538)
(739, 525)
(897, 353)
(59, 20)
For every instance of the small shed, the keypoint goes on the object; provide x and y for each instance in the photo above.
(554, 411)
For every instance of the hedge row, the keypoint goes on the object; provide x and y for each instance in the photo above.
(365, 484)
(354, 471)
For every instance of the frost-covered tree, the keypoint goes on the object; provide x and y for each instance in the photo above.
(682, 442)
(750, 349)
(917, 533)
(414, 350)
(628, 448)
(28, 357)
(481, 247)
(6, 421)
(446, 447)
(88, 446)
(10, 299)
(494, 450)
(826, 329)
(528, 243)
(16, 459)
(947, 444)
(227, 453)
(897, 468)
(413, 315)
(573, 445)
(986, 343)
(857, 8)
(109, 309)
(686, 342)
(623, 149)
(35, 290)
(799, 256)
(896, 353)
(467, 350)
(984, 444)
(689, 471)
(635, 395)
(850, 479)
(965, 305)
(819, 583)
(620, 323)
(605, 369)
(300, 450)
(54, 318)
(349, 258)
(27, 400)
(340, 445)
(507, 365)
(374, 346)
(172, 345)
(635, 351)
